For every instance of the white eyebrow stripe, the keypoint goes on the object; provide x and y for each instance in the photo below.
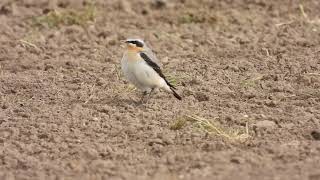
(136, 40)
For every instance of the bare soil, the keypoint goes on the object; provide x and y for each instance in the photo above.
(66, 111)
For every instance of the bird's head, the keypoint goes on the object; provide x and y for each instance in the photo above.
(136, 45)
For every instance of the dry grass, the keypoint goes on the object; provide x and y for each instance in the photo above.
(173, 80)
(92, 94)
(27, 43)
(56, 18)
(208, 126)
(313, 74)
(250, 82)
(31, 40)
(178, 124)
(202, 17)
(177, 79)
(305, 18)
(191, 18)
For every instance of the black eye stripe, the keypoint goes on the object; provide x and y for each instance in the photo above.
(137, 43)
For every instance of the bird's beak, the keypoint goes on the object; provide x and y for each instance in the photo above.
(123, 43)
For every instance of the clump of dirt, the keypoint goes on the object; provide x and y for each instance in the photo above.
(66, 111)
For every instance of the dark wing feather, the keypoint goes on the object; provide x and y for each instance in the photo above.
(155, 67)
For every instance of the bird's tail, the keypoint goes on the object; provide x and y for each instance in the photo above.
(170, 88)
(175, 93)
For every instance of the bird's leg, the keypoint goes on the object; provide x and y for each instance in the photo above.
(143, 96)
(145, 99)
(150, 93)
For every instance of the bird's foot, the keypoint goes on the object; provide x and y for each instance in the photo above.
(143, 98)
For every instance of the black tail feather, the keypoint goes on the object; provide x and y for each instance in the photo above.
(175, 94)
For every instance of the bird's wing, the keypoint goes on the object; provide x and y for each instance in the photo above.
(155, 67)
(150, 53)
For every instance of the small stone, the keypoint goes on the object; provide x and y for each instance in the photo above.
(155, 141)
(73, 29)
(47, 67)
(5, 133)
(144, 12)
(291, 144)
(6, 9)
(4, 106)
(271, 103)
(316, 135)
(112, 42)
(157, 148)
(103, 34)
(91, 153)
(102, 164)
(288, 126)
(229, 118)
(165, 60)
(159, 3)
(43, 136)
(249, 95)
(194, 81)
(23, 114)
(125, 6)
(189, 41)
(76, 166)
(235, 160)
(266, 124)
(171, 159)
(167, 140)
(233, 68)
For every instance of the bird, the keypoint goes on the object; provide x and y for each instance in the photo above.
(141, 68)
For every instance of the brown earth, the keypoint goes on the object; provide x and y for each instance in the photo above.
(66, 111)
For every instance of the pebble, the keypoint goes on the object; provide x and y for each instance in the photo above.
(265, 124)
(315, 135)
(155, 141)
(159, 3)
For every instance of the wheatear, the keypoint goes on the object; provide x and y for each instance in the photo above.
(141, 68)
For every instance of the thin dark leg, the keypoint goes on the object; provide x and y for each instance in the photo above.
(150, 93)
(145, 93)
